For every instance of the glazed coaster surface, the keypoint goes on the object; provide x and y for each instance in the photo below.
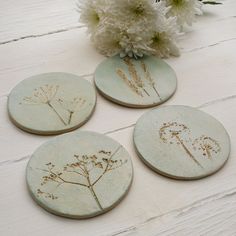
(79, 175)
(139, 83)
(181, 142)
(51, 103)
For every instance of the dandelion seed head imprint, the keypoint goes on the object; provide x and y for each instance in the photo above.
(177, 133)
(207, 146)
(170, 130)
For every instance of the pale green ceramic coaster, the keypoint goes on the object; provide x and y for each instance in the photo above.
(181, 142)
(51, 103)
(139, 83)
(79, 175)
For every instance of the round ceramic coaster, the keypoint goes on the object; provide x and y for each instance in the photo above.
(181, 142)
(79, 175)
(51, 103)
(138, 83)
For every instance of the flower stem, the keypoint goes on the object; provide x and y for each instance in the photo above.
(55, 111)
(187, 151)
(95, 197)
(70, 117)
(146, 92)
(208, 152)
(90, 186)
(157, 92)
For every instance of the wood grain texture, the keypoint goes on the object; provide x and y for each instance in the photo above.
(151, 196)
(29, 19)
(44, 36)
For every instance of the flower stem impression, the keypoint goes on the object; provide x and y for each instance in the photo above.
(207, 146)
(72, 106)
(45, 95)
(136, 82)
(85, 168)
(173, 132)
(149, 78)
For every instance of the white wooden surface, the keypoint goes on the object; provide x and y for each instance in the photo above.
(39, 36)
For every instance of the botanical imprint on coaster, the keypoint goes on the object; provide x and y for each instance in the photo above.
(175, 133)
(140, 86)
(47, 95)
(85, 171)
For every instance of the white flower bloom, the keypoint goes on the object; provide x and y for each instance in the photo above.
(91, 13)
(107, 40)
(164, 39)
(135, 46)
(111, 40)
(184, 10)
(130, 27)
(137, 23)
(131, 11)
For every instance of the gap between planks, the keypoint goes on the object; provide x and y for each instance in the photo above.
(207, 104)
(83, 26)
(42, 35)
(208, 46)
(73, 28)
(178, 212)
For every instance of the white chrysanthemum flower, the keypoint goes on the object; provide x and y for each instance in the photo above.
(130, 11)
(111, 40)
(107, 40)
(137, 20)
(164, 39)
(91, 13)
(184, 10)
(135, 46)
(130, 27)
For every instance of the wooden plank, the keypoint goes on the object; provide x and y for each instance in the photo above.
(152, 198)
(207, 34)
(64, 51)
(194, 89)
(211, 216)
(20, 19)
(26, 19)
(72, 51)
(69, 52)
(48, 39)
